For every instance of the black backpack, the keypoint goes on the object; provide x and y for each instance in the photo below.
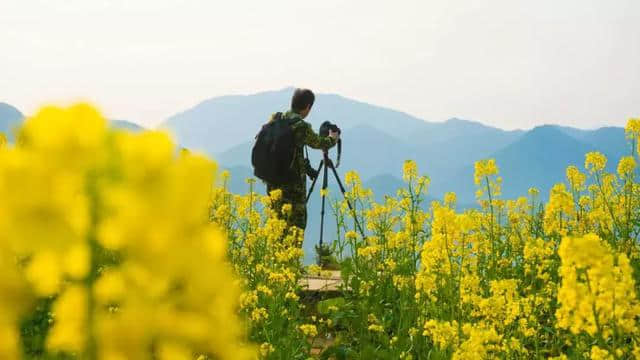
(272, 153)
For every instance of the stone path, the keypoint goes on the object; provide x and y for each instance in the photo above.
(320, 283)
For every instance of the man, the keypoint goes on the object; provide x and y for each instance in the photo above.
(295, 193)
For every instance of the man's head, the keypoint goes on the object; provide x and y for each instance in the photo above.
(302, 101)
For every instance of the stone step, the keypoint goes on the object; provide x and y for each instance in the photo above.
(330, 282)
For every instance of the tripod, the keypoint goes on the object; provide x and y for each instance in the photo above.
(327, 164)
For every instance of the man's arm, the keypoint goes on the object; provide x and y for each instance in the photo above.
(315, 141)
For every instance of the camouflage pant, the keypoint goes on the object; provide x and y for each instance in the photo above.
(296, 195)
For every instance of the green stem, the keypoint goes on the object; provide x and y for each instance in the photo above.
(91, 347)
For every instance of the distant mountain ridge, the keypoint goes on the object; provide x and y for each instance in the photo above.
(537, 159)
(377, 140)
(239, 118)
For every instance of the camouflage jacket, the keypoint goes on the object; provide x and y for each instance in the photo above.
(304, 136)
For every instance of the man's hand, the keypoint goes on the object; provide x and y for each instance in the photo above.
(334, 134)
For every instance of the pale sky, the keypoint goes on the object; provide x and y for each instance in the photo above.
(507, 63)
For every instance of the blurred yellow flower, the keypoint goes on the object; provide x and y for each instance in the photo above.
(45, 273)
(70, 321)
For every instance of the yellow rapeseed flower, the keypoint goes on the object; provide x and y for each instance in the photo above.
(633, 127)
(576, 178)
(595, 162)
(409, 170)
(442, 333)
(626, 166)
(484, 168)
(595, 292)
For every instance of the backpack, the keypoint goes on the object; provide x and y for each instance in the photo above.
(272, 153)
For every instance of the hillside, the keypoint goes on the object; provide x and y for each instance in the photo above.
(382, 185)
(446, 148)
(609, 140)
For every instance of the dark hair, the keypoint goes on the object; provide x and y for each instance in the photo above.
(301, 99)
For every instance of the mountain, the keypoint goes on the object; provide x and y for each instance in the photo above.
(376, 140)
(539, 158)
(126, 125)
(239, 155)
(10, 118)
(455, 128)
(239, 117)
(372, 152)
(609, 140)
(385, 184)
(445, 147)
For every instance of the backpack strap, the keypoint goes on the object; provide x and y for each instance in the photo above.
(294, 121)
(291, 123)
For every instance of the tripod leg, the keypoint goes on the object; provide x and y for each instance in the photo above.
(355, 218)
(324, 197)
(313, 183)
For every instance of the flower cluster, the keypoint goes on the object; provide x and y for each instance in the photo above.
(113, 226)
(597, 295)
(267, 256)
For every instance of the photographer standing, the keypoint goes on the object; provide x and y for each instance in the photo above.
(294, 192)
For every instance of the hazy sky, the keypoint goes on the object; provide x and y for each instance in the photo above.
(508, 63)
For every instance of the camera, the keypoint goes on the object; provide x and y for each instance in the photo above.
(326, 127)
